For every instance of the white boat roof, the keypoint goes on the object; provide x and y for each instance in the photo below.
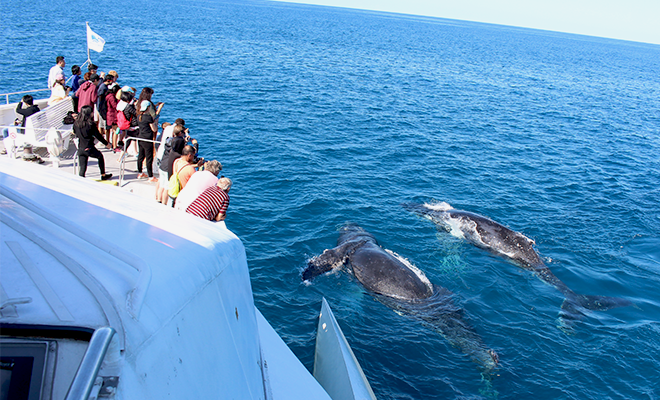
(99, 256)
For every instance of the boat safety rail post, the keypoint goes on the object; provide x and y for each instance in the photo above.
(91, 363)
(122, 160)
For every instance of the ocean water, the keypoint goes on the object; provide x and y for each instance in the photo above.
(323, 116)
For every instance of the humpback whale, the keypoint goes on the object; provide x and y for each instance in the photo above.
(398, 284)
(500, 240)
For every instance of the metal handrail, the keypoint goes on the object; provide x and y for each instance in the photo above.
(122, 159)
(91, 363)
(25, 91)
(34, 129)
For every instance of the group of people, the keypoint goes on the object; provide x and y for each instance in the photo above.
(110, 113)
(187, 182)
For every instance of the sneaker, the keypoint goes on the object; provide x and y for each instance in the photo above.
(153, 180)
(106, 177)
(141, 175)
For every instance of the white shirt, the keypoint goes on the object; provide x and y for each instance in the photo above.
(52, 74)
(198, 182)
(167, 133)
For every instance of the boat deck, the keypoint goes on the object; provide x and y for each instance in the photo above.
(130, 181)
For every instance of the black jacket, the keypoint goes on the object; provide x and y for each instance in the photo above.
(86, 134)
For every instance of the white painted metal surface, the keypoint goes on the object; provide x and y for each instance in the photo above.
(335, 365)
(174, 287)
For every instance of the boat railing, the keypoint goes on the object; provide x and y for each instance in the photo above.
(122, 159)
(23, 92)
(88, 371)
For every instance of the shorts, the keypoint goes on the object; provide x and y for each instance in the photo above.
(102, 124)
(162, 178)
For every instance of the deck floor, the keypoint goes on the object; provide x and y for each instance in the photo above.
(130, 182)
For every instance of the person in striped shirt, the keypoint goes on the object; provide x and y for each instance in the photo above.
(213, 202)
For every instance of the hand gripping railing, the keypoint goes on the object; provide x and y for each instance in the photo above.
(91, 363)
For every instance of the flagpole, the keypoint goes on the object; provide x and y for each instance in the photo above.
(89, 60)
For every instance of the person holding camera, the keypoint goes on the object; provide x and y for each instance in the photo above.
(26, 107)
(59, 91)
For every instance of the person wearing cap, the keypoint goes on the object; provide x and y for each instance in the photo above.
(58, 91)
(126, 114)
(56, 70)
(148, 128)
(87, 94)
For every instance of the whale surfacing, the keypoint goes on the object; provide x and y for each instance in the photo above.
(398, 284)
(498, 239)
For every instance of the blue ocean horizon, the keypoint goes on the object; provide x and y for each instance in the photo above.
(323, 116)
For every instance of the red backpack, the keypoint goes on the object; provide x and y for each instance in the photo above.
(122, 122)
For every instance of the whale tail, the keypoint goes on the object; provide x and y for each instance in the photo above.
(572, 309)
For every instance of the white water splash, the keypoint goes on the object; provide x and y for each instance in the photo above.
(442, 206)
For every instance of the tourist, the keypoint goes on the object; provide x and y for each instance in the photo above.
(75, 85)
(87, 94)
(126, 117)
(171, 148)
(148, 128)
(58, 91)
(56, 70)
(111, 114)
(198, 183)
(213, 202)
(102, 107)
(92, 68)
(178, 144)
(86, 131)
(26, 108)
(114, 75)
(184, 167)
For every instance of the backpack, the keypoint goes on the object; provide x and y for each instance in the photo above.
(122, 122)
(174, 186)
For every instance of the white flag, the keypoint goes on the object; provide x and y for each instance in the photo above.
(94, 41)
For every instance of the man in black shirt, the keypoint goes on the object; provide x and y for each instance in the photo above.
(26, 108)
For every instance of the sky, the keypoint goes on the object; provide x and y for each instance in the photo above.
(635, 20)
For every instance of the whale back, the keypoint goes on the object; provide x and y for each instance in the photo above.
(386, 273)
(497, 238)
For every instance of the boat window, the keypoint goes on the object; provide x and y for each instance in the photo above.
(22, 367)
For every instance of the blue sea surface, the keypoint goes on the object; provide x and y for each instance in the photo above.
(323, 116)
